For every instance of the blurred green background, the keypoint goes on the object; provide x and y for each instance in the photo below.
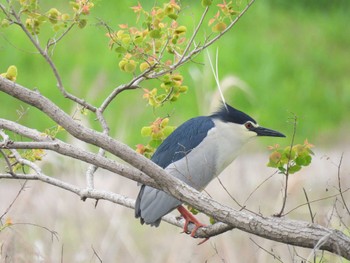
(282, 58)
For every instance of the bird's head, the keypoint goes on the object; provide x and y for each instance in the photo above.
(242, 123)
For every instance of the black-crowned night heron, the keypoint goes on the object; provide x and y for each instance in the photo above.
(196, 152)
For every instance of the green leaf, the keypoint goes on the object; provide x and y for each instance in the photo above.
(120, 49)
(206, 3)
(82, 23)
(282, 169)
(146, 131)
(293, 169)
(299, 160)
(155, 33)
(192, 210)
(168, 130)
(173, 16)
(289, 154)
(155, 143)
(180, 30)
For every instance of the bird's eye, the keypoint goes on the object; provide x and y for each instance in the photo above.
(248, 125)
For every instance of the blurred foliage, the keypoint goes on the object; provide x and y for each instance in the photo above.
(292, 55)
(290, 159)
(11, 73)
(8, 223)
(32, 155)
(157, 132)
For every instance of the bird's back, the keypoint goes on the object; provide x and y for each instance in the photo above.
(174, 155)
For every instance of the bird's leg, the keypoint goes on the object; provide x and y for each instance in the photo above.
(190, 218)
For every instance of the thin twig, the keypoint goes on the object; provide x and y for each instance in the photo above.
(5, 142)
(3, 9)
(189, 44)
(62, 253)
(229, 26)
(204, 46)
(314, 201)
(55, 41)
(14, 200)
(309, 206)
(339, 185)
(268, 252)
(8, 163)
(118, 90)
(95, 253)
(286, 173)
(53, 233)
(257, 187)
(231, 196)
(52, 65)
(340, 217)
(101, 152)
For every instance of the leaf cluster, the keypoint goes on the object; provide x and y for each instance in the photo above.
(223, 16)
(32, 155)
(290, 159)
(35, 19)
(157, 132)
(170, 89)
(11, 73)
(145, 45)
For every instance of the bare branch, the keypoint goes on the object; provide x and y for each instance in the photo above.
(53, 42)
(79, 131)
(120, 89)
(52, 65)
(45, 142)
(194, 34)
(101, 152)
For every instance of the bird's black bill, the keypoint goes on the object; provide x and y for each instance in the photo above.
(261, 131)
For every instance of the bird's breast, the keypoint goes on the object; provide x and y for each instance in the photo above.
(217, 150)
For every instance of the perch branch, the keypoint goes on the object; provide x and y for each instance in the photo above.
(283, 230)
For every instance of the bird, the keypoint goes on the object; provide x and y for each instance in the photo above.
(197, 152)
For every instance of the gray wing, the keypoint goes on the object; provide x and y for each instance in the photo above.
(181, 141)
(152, 204)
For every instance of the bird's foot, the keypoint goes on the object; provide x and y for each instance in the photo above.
(190, 218)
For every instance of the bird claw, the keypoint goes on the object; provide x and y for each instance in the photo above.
(188, 217)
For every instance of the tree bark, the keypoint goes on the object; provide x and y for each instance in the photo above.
(298, 233)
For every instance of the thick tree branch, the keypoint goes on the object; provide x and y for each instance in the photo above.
(96, 194)
(43, 141)
(283, 230)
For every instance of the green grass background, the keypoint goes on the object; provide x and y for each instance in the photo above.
(293, 56)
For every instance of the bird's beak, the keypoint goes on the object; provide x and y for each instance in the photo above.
(261, 131)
